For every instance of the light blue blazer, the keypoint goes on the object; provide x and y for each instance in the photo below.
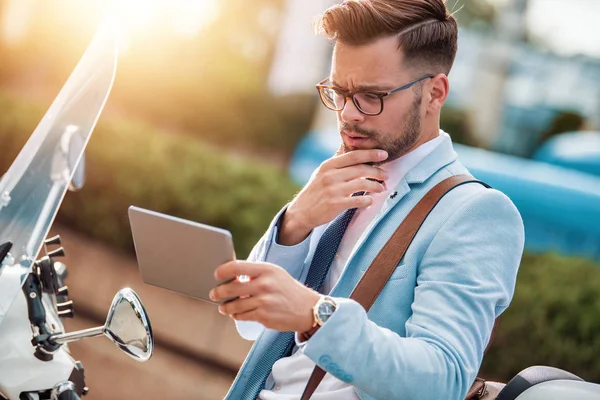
(424, 336)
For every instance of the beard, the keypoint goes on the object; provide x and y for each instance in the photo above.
(396, 144)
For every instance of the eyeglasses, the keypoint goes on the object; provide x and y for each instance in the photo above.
(368, 103)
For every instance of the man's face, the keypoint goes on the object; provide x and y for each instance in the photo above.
(377, 67)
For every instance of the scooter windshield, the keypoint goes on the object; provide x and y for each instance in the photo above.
(33, 188)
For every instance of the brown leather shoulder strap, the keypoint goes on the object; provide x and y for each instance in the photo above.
(384, 264)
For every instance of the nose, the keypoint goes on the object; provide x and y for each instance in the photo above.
(350, 113)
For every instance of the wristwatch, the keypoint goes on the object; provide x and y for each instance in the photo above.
(324, 308)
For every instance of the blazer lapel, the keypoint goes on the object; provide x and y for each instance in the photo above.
(439, 158)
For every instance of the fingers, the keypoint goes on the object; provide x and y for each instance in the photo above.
(235, 268)
(359, 185)
(341, 204)
(241, 306)
(356, 202)
(232, 289)
(251, 315)
(356, 157)
(357, 171)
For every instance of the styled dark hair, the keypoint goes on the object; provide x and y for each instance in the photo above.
(427, 32)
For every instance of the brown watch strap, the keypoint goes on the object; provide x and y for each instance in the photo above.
(304, 336)
(384, 264)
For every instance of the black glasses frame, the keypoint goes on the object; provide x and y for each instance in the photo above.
(350, 95)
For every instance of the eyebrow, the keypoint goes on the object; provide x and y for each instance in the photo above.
(363, 88)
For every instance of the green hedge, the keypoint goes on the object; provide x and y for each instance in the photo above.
(134, 164)
(554, 320)
(555, 315)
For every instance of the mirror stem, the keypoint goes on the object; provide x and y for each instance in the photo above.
(77, 335)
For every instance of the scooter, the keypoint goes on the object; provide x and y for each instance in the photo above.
(35, 362)
(541, 383)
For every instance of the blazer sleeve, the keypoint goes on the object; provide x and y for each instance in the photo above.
(465, 279)
(291, 258)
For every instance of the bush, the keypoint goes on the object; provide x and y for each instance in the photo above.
(564, 121)
(455, 122)
(554, 320)
(133, 164)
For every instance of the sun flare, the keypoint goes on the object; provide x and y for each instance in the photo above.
(185, 17)
(138, 18)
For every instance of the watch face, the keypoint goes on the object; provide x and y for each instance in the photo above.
(325, 310)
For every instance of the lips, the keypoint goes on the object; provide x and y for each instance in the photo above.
(354, 140)
(354, 136)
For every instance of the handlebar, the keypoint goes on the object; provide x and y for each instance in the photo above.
(64, 391)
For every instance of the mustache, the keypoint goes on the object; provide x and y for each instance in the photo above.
(346, 127)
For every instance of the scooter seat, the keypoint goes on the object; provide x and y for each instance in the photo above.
(530, 377)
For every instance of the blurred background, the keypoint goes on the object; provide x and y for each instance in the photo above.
(214, 117)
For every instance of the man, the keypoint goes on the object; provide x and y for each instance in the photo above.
(425, 335)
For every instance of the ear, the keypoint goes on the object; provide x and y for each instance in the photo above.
(438, 93)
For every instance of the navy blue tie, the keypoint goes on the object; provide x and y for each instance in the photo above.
(284, 342)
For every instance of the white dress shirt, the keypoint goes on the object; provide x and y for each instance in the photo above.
(290, 375)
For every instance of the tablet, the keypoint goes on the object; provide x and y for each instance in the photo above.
(177, 254)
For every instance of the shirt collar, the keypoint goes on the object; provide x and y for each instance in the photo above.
(398, 168)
